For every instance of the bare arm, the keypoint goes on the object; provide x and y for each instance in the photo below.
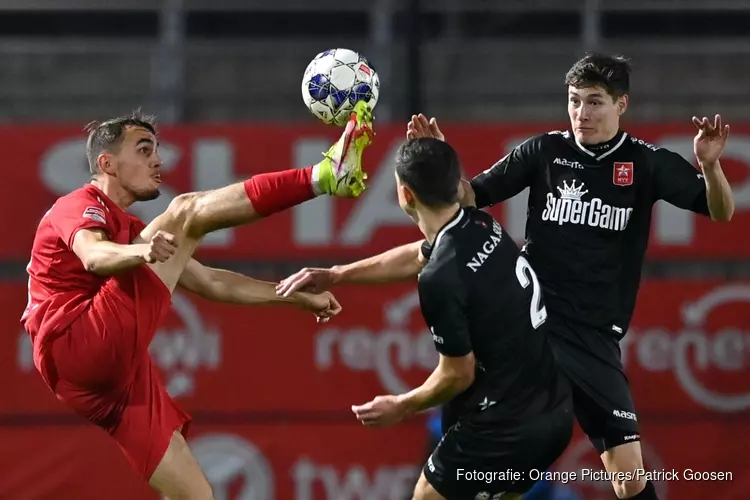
(397, 264)
(718, 192)
(708, 146)
(226, 286)
(220, 285)
(103, 257)
(452, 376)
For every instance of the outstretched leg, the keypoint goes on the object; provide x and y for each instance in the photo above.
(191, 216)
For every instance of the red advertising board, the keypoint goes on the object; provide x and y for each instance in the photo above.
(46, 162)
(242, 462)
(688, 348)
(348, 462)
(239, 370)
(686, 352)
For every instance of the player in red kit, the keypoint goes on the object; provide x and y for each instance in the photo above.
(100, 281)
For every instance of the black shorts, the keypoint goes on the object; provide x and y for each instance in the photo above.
(479, 458)
(591, 359)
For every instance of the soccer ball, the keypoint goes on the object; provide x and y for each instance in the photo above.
(334, 81)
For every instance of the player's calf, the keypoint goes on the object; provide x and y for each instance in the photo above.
(627, 458)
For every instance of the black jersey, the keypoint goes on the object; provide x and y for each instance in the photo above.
(478, 294)
(589, 217)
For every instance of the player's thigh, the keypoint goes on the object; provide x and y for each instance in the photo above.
(178, 475)
(601, 397)
(103, 346)
(169, 272)
(488, 459)
(147, 420)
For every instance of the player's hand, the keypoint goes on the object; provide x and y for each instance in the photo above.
(312, 280)
(380, 412)
(323, 305)
(420, 126)
(710, 140)
(161, 247)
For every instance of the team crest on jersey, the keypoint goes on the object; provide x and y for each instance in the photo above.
(622, 173)
(95, 213)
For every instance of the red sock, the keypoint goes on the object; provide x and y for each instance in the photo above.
(277, 191)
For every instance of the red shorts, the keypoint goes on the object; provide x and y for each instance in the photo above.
(101, 368)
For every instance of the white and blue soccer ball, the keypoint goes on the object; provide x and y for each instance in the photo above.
(334, 81)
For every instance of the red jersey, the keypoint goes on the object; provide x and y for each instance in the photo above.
(60, 289)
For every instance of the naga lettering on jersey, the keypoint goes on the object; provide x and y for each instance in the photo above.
(569, 208)
(487, 248)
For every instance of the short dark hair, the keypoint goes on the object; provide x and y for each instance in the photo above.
(431, 169)
(108, 135)
(607, 71)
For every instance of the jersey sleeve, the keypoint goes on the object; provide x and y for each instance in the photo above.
(70, 215)
(442, 297)
(509, 176)
(679, 183)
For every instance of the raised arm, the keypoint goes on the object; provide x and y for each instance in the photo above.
(220, 285)
(505, 179)
(705, 192)
(104, 258)
(398, 264)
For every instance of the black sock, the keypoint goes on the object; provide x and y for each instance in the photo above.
(648, 493)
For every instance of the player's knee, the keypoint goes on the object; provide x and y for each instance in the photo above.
(625, 459)
(185, 210)
(199, 489)
(424, 490)
(628, 489)
(205, 492)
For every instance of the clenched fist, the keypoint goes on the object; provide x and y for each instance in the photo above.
(161, 247)
(324, 305)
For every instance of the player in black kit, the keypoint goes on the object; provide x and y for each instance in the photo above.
(592, 190)
(507, 408)
(589, 215)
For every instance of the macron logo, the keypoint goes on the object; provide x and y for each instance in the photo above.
(567, 163)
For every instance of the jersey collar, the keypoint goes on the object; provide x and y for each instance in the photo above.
(604, 149)
(451, 223)
(103, 198)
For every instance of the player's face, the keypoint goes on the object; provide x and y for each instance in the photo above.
(594, 115)
(138, 165)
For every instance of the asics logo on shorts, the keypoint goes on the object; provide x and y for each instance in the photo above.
(625, 414)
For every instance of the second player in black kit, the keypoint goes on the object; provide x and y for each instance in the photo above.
(589, 216)
(506, 405)
(479, 295)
